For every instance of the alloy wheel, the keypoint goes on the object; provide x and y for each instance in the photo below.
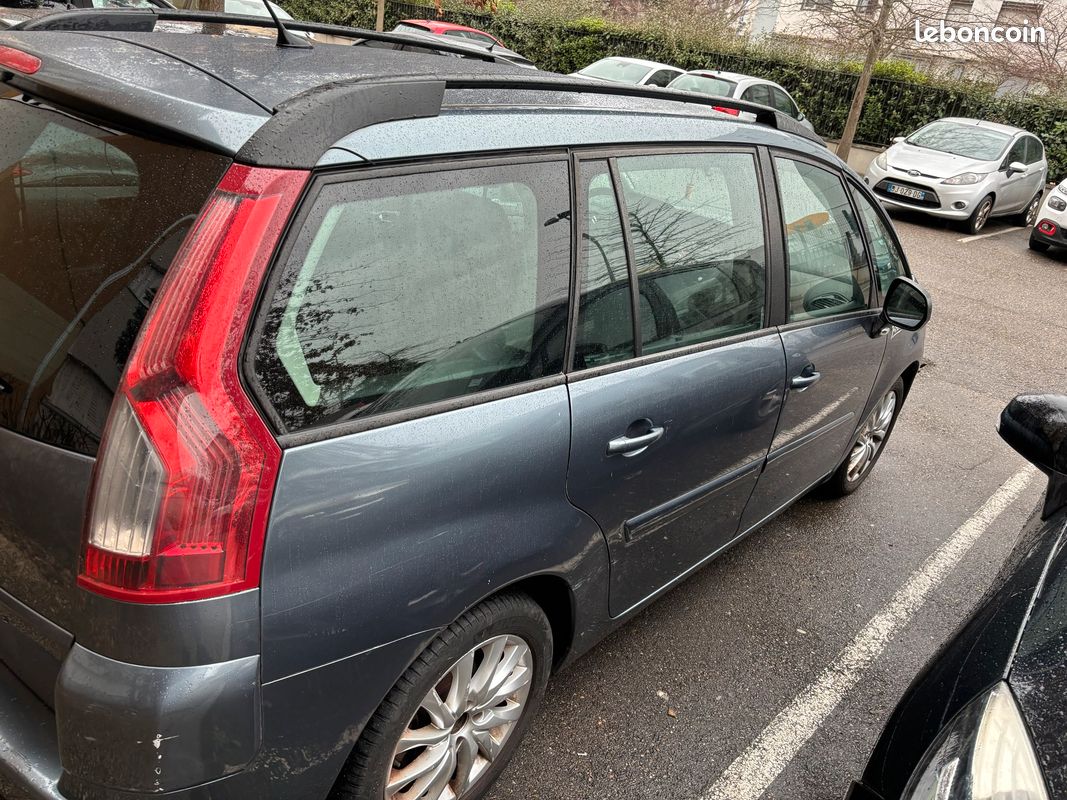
(462, 723)
(1031, 211)
(871, 437)
(983, 214)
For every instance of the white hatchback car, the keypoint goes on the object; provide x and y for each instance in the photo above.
(963, 169)
(629, 70)
(1051, 221)
(741, 87)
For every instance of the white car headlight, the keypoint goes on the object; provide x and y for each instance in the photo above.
(965, 178)
(882, 161)
(985, 753)
(1062, 188)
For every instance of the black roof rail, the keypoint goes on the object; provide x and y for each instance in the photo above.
(303, 128)
(143, 20)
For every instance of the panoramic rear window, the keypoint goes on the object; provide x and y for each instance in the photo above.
(89, 221)
(409, 290)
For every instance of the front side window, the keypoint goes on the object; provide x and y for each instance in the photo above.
(696, 227)
(828, 272)
(888, 260)
(1016, 153)
(408, 290)
(662, 77)
(782, 102)
(1035, 151)
(760, 93)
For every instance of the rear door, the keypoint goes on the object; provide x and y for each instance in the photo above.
(90, 218)
(832, 350)
(677, 375)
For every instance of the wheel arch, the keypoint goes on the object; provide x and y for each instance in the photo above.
(555, 596)
(909, 375)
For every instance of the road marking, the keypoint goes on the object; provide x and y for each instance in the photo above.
(987, 235)
(749, 776)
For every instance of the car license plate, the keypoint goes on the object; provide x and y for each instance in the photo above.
(904, 191)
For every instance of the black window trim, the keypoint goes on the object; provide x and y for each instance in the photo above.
(354, 173)
(873, 296)
(856, 187)
(774, 299)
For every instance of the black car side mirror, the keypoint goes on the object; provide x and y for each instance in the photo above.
(1035, 425)
(907, 305)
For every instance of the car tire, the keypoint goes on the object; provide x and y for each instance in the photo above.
(1038, 245)
(980, 216)
(1028, 216)
(873, 433)
(510, 631)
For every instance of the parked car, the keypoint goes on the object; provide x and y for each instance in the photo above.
(742, 87)
(1048, 228)
(629, 70)
(449, 29)
(963, 169)
(430, 43)
(987, 717)
(316, 460)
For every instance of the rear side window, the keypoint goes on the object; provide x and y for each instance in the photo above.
(828, 271)
(760, 93)
(89, 222)
(403, 291)
(696, 226)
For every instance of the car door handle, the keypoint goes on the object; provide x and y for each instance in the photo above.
(632, 445)
(809, 377)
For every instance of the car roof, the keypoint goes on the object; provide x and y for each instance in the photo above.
(735, 77)
(227, 93)
(981, 123)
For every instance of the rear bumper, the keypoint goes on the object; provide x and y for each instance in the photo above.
(123, 730)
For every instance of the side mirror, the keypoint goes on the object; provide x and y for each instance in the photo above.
(1036, 427)
(906, 305)
(800, 116)
(897, 139)
(1016, 166)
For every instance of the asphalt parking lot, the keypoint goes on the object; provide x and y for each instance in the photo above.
(670, 706)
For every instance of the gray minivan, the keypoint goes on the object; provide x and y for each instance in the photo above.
(347, 393)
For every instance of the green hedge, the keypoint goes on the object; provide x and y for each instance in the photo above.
(899, 99)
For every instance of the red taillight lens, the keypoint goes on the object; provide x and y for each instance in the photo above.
(10, 58)
(183, 483)
(1047, 226)
(733, 112)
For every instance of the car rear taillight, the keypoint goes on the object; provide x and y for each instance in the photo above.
(733, 112)
(10, 58)
(182, 487)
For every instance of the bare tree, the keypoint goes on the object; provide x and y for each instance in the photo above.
(873, 29)
(1042, 62)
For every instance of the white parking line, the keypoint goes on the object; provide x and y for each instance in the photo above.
(748, 777)
(987, 235)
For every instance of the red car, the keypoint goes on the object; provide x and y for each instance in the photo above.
(447, 29)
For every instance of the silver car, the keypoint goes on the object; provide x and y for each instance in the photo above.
(963, 169)
(741, 87)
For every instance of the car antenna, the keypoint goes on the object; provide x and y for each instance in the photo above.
(285, 38)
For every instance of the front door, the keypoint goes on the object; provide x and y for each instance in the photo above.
(677, 378)
(832, 358)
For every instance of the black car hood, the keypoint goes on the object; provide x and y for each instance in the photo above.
(982, 653)
(1038, 674)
